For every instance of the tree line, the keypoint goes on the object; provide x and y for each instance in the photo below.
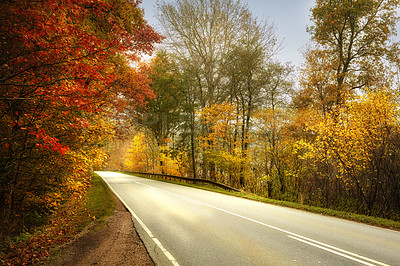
(225, 109)
(66, 76)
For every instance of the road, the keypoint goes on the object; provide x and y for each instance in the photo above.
(186, 226)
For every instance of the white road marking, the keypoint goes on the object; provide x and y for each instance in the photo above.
(326, 247)
(146, 229)
(339, 253)
(190, 200)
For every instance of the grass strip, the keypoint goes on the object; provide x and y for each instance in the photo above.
(371, 220)
(87, 211)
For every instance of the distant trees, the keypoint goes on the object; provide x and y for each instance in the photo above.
(200, 34)
(222, 145)
(329, 147)
(222, 52)
(270, 122)
(162, 113)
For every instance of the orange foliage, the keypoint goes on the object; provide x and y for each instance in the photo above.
(62, 75)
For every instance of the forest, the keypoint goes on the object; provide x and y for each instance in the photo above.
(213, 102)
(65, 78)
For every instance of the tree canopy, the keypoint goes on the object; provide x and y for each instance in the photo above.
(63, 68)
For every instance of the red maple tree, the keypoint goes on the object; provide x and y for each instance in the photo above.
(64, 66)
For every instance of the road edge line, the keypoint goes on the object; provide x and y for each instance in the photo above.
(145, 228)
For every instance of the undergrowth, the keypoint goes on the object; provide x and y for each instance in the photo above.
(61, 227)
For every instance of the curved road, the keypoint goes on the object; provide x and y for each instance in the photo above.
(186, 226)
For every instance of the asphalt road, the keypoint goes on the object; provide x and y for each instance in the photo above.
(186, 226)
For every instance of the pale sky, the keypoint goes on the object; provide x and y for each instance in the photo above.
(290, 17)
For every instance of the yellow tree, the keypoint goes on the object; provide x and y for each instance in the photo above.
(173, 162)
(222, 145)
(143, 153)
(352, 50)
(361, 143)
(269, 148)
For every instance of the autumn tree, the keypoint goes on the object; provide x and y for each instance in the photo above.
(200, 34)
(270, 121)
(354, 37)
(162, 114)
(248, 70)
(317, 80)
(57, 70)
(145, 154)
(222, 146)
(189, 126)
(142, 154)
(361, 142)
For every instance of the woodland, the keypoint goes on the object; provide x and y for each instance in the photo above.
(66, 77)
(213, 102)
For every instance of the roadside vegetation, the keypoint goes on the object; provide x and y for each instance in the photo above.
(66, 76)
(86, 211)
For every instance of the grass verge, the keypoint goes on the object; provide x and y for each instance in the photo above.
(88, 211)
(375, 221)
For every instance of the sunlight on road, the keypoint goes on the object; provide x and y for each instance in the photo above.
(113, 177)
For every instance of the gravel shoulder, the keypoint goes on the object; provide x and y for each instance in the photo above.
(112, 242)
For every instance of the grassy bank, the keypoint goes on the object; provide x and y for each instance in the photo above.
(87, 211)
(376, 221)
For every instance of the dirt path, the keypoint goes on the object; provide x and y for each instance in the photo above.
(114, 243)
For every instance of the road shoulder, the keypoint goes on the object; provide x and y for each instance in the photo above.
(115, 242)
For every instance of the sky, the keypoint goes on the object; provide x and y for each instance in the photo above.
(290, 17)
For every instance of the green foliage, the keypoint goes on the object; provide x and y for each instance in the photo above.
(99, 201)
(162, 114)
